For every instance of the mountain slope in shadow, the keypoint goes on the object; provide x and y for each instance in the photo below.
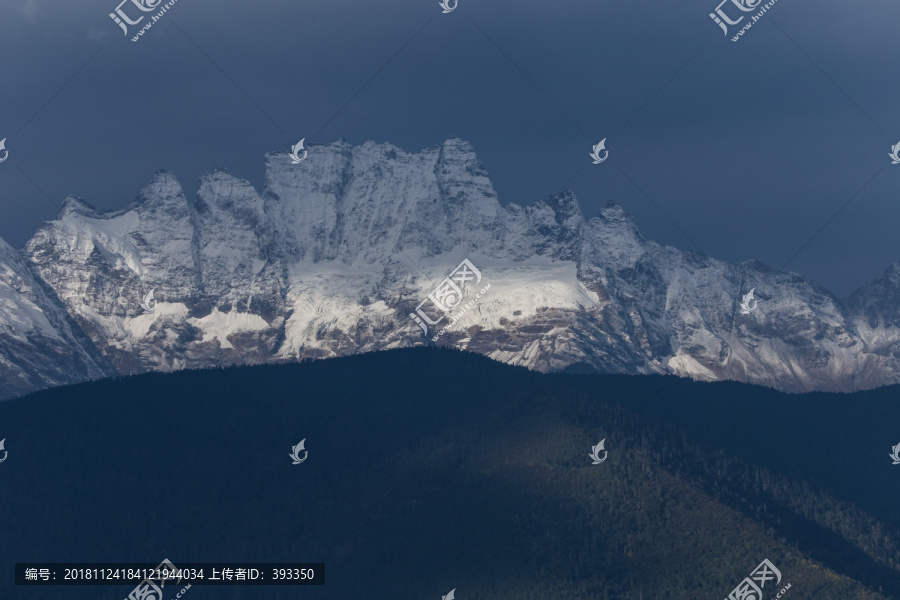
(430, 470)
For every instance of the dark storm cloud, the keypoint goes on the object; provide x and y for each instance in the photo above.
(749, 147)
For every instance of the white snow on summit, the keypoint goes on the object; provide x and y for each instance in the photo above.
(333, 255)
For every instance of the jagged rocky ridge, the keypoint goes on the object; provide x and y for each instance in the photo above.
(337, 251)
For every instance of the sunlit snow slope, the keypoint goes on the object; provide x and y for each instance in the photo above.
(335, 253)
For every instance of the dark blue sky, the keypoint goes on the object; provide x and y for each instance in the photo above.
(749, 147)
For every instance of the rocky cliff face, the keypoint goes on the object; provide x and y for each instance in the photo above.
(39, 345)
(336, 253)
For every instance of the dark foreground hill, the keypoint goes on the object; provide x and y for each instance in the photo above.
(430, 470)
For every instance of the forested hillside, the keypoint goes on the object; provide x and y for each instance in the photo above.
(430, 470)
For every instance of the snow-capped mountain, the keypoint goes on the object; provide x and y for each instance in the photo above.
(336, 253)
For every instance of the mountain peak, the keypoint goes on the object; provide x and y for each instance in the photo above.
(613, 217)
(165, 193)
(565, 201)
(458, 144)
(75, 205)
(566, 211)
(613, 211)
